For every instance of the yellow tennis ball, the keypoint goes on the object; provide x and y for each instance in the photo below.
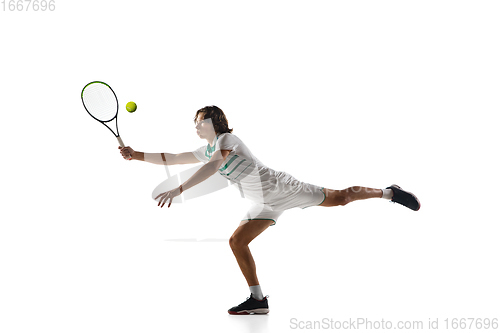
(131, 107)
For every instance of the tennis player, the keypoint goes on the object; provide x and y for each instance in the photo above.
(271, 192)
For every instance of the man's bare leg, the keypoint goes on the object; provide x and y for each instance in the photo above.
(354, 193)
(239, 241)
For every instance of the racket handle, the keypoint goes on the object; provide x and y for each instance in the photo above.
(120, 141)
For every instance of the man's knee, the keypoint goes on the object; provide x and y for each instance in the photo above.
(343, 198)
(235, 242)
(337, 197)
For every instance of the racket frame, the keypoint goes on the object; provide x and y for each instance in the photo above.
(115, 118)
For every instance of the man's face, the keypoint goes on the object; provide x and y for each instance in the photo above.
(204, 127)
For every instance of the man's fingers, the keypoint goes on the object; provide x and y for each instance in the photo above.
(165, 200)
(164, 197)
(159, 201)
(161, 194)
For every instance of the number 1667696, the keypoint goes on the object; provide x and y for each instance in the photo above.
(28, 5)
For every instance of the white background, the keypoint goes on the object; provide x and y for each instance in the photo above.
(337, 93)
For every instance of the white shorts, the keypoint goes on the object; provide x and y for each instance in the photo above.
(288, 193)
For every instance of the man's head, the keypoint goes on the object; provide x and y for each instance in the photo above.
(216, 116)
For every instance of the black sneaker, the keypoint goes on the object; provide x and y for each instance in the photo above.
(404, 198)
(250, 306)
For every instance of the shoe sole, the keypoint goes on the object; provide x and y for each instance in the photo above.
(413, 195)
(248, 312)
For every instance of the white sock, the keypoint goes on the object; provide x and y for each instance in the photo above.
(256, 292)
(387, 193)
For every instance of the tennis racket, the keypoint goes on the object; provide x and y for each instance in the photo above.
(101, 103)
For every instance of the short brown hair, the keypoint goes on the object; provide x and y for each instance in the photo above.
(219, 120)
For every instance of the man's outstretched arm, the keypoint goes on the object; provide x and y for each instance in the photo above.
(207, 170)
(159, 158)
(201, 175)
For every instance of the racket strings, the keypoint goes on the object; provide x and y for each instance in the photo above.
(100, 101)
